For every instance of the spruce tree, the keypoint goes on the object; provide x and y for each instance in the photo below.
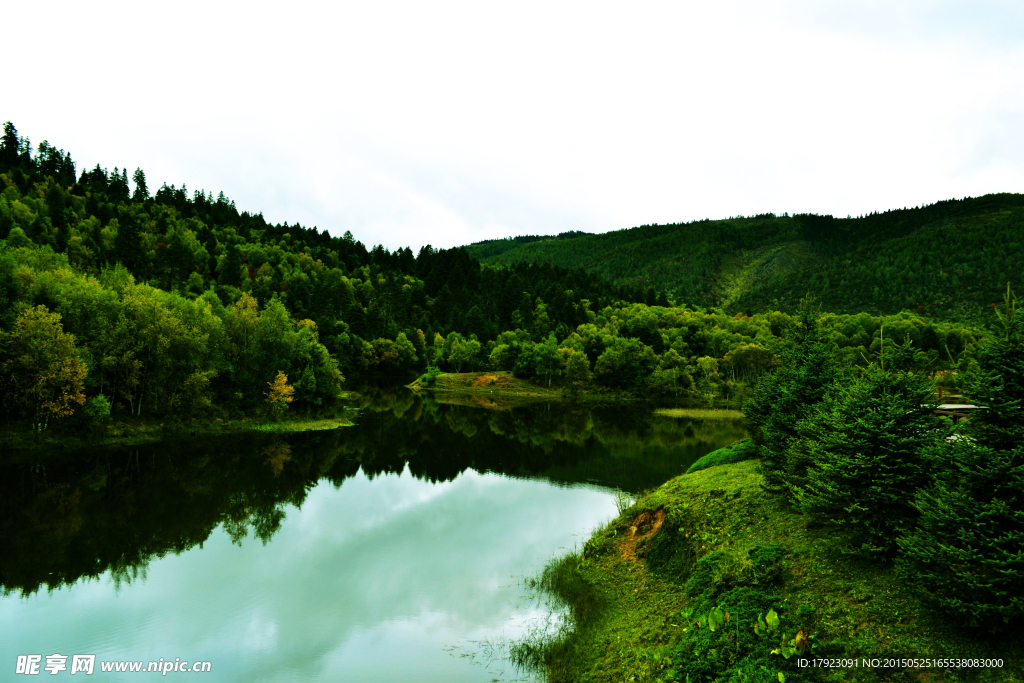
(128, 244)
(966, 554)
(807, 372)
(864, 445)
(9, 147)
(141, 193)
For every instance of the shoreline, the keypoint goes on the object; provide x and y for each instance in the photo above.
(142, 432)
(504, 384)
(642, 592)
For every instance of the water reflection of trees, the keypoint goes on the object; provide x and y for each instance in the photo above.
(64, 517)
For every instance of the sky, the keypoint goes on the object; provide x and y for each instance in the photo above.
(447, 123)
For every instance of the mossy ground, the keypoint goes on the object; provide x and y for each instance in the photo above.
(645, 569)
(737, 452)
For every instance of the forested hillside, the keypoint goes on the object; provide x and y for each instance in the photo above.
(173, 301)
(116, 300)
(951, 259)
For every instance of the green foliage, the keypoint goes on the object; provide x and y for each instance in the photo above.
(626, 364)
(702, 577)
(43, 374)
(945, 260)
(577, 371)
(808, 370)
(732, 639)
(767, 562)
(428, 378)
(863, 445)
(964, 556)
(97, 409)
(965, 552)
(998, 383)
(744, 450)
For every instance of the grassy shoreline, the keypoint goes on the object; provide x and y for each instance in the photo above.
(136, 432)
(504, 384)
(636, 591)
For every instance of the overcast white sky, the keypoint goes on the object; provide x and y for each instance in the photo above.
(448, 123)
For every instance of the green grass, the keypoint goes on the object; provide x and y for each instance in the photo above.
(135, 431)
(738, 452)
(700, 413)
(304, 425)
(714, 538)
(502, 383)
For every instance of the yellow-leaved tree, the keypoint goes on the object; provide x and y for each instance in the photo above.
(44, 374)
(280, 395)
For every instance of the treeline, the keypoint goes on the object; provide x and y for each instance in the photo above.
(178, 306)
(487, 249)
(945, 260)
(170, 303)
(86, 345)
(861, 449)
(703, 354)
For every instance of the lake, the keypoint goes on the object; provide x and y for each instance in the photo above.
(392, 550)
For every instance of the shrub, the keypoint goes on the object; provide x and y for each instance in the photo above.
(96, 410)
(702, 579)
(768, 562)
(744, 450)
(732, 652)
(430, 376)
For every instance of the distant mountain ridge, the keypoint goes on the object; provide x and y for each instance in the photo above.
(951, 259)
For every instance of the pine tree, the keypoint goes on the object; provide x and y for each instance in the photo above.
(141, 193)
(966, 554)
(807, 372)
(864, 444)
(230, 270)
(9, 149)
(128, 244)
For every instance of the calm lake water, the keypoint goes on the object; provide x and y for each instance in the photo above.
(388, 551)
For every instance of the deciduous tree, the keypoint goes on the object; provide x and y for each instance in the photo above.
(45, 376)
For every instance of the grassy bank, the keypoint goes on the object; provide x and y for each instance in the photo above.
(640, 593)
(135, 431)
(700, 413)
(498, 383)
(503, 383)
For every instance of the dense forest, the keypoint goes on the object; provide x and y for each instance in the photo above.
(171, 304)
(946, 260)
